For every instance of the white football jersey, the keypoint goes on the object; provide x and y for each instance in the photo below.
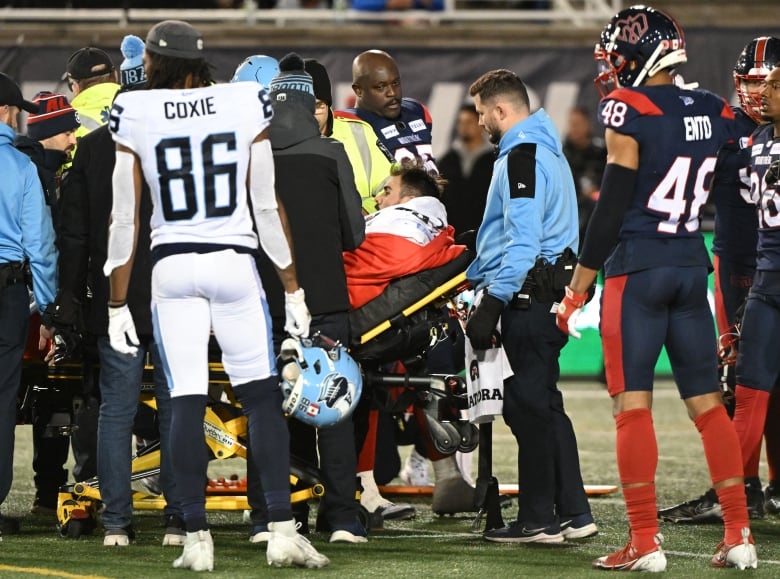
(194, 150)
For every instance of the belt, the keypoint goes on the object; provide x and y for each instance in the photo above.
(11, 273)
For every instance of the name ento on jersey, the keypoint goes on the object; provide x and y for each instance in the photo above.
(189, 109)
(697, 128)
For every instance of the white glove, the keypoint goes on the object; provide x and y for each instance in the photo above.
(121, 329)
(298, 317)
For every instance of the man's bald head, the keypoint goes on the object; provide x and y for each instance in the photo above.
(377, 83)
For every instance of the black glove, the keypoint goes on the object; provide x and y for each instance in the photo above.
(483, 322)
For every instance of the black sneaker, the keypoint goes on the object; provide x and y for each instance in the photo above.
(772, 498)
(518, 532)
(578, 526)
(704, 510)
(755, 498)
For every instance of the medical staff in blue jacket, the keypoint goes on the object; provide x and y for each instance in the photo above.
(525, 254)
(26, 235)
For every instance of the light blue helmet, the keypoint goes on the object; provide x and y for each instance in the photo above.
(321, 382)
(259, 68)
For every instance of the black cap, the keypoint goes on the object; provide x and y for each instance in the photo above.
(88, 62)
(175, 38)
(319, 76)
(11, 94)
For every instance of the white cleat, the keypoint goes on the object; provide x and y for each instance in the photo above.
(287, 548)
(741, 555)
(198, 553)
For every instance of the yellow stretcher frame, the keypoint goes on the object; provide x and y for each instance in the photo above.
(437, 293)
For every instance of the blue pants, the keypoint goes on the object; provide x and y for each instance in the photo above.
(120, 387)
(550, 481)
(14, 319)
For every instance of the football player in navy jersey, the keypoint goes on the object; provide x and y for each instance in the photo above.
(203, 164)
(758, 366)
(402, 125)
(734, 247)
(662, 142)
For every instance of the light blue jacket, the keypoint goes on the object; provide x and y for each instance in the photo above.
(519, 228)
(26, 229)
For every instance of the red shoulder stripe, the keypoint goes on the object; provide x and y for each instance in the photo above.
(637, 100)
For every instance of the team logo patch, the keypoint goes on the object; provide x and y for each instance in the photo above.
(632, 28)
(417, 125)
(390, 131)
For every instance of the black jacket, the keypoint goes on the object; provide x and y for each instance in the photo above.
(315, 183)
(48, 163)
(465, 193)
(85, 211)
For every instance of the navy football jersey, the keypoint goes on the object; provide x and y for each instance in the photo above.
(679, 133)
(765, 150)
(407, 136)
(736, 226)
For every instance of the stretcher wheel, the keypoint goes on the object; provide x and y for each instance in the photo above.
(75, 529)
(469, 438)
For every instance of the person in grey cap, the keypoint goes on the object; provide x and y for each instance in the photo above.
(26, 234)
(199, 158)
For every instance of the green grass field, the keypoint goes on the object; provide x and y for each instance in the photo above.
(428, 546)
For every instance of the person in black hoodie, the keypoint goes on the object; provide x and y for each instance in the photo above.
(49, 141)
(83, 239)
(314, 181)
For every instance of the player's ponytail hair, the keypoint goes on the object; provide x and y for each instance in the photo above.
(171, 72)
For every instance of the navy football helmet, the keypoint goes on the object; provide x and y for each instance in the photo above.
(637, 43)
(321, 382)
(755, 61)
(259, 68)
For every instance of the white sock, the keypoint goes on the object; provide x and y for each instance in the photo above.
(464, 460)
(370, 497)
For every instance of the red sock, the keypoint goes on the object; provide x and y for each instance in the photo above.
(733, 502)
(772, 436)
(721, 444)
(721, 447)
(637, 458)
(367, 455)
(749, 419)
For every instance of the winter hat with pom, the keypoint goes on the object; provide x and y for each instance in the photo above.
(293, 83)
(131, 71)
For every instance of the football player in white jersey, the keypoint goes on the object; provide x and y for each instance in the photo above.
(203, 150)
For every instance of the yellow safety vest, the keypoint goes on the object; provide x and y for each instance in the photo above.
(370, 165)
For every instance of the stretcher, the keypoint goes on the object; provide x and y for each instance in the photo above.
(401, 324)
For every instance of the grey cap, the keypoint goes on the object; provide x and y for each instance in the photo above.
(175, 38)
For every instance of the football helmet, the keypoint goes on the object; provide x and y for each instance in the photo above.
(635, 45)
(259, 68)
(756, 60)
(321, 382)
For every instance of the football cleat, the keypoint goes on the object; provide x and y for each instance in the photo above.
(287, 548)
(772, 498)
(706, 509)
(629, 559)
(198, 553)
(741, 555)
